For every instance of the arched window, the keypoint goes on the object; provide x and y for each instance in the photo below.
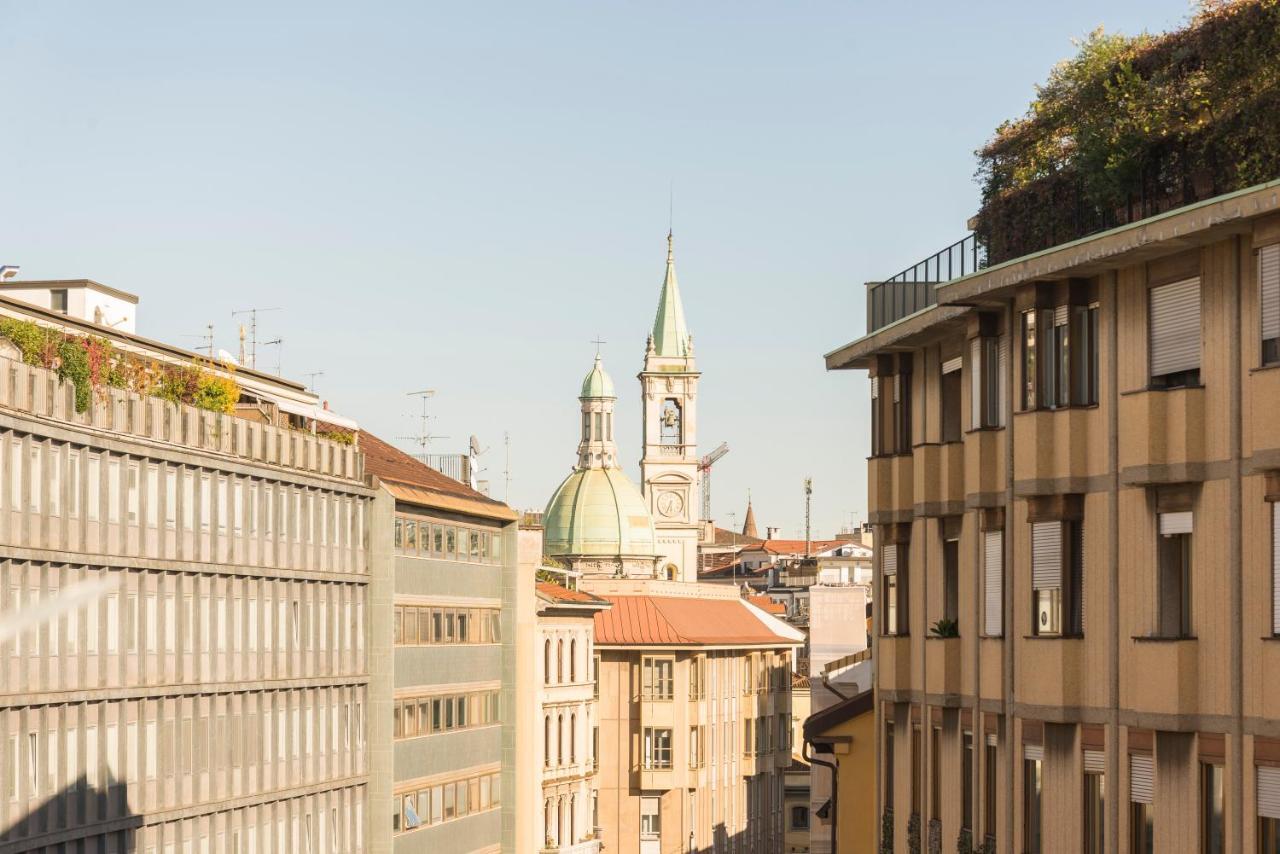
(546, 739)
(560, 740)
(573, 738)
(573, 661)
(546, 663)
(573, 817)
(546, 820)
(559, 661)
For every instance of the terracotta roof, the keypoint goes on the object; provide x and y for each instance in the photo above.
(799, 680)
(675, 621)
(764, 603)
(727, 537)
(796, 547)
(425, 484)
(559, 593)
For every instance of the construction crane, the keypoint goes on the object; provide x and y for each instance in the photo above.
(704, 467)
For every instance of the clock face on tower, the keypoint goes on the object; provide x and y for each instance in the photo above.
(670, 504)
(670, 422)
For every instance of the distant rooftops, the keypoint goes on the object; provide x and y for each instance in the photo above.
(415, 482)
(637, 620)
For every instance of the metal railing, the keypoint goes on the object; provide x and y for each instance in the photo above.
(913, 289)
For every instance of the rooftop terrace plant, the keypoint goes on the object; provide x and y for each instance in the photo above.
(1133, 126)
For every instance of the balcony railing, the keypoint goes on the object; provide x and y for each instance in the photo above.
(913, 289)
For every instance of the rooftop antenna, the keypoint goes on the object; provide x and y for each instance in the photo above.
(506, 472)
(808, 495)
(423, 438)
(252, 355)
(278, 343)
(206, 340)
(311, 379)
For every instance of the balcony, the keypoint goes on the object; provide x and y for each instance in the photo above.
(939, 479)
(588, 846)
(942, 667)
(1054, 444)
(1162, 676)
(1050, 671)
(890, 487)
(1163, 440)
(893, 655)
(912, 290)
(1261, 402)
(984, 463)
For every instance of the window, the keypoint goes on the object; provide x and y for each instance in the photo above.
(990, 768)
(1084, 355)
(895, 588)
(1275, 570)
(1269, 302)
(1174, 333)
(695, 748)
(658, 682)
(697, 676)
(916, 759)
(876, 415)
(799, 818)
(993, 583)
(888, 765)
(650, 818)
(1268, 788)
(935, 773)
(988, 360)
(1060, 356)
(951, 569)
(58, 300)
(748, 737)
(1029, 366)
(657, 748)
(1211, 809)
(1032, 758)
(966, 783)
(902, 411)
(1141, 797)
(1173, 568)
(1056, 577)
(1095, 802)
(951, 406)
(573, 661)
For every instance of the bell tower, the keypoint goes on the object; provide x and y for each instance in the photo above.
(670, 480)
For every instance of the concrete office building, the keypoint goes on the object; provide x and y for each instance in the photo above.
(215, 698)
(1076, 458)
(444, 748)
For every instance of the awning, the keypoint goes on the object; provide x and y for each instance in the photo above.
(315, 413)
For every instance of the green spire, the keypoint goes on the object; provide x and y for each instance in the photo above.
(670, 334)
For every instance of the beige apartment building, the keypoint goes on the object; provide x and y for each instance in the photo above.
(1075, 463)
(215, 698)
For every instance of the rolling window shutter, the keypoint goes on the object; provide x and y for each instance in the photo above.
(1141, 779)
(897, 388)
(1004, 388)
(975, 383)
(950, 366)
(1175, 327)
(1268, 792)
(1046, 555)
(1269, 285)
(875, 387)
(889, 560)
(1275, 569)
(1175, 523)
(1034, 752)
(993, 586)
(993, 740)
(1095, 762)
(1061, 315)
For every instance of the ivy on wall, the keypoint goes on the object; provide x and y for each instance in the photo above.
(1133, 126)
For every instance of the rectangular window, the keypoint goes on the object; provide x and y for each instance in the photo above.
(58, 300)
(658, 681)
(693, 747)
(657, 748)
(1212, 827)
(1029, 365)
(987, 362)
(1084, 355)
(132, 493)
(55, 480)
(35, 481)
(1095, 802)
(1057, 577)
(1269, 302)
(877, 441)
(1142, 799)
(902, 412)
(650, 818)
(1031, 798)
(1174, 333)
(935, 773)
(1268, 789)
(951, 406)
(892, 557)
(917, 757)
(966, 783)
(993, 583)
(1173, 567)
(951, 571)
(888, 765)
(990, 768)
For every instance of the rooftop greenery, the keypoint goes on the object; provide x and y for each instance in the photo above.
(1130, 127)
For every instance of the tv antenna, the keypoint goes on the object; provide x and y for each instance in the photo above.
(250, 359)
(311, 379)
(206, 339)
(808, 496)
(278, 343)
(423, 438)
(506, 471)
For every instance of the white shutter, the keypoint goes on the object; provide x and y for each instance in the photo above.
(950, 366)
(1268, 792)
(1095, 762)
(1275, 570)
(897, 388)
(1004, 382)
(1175, 327)
(1046, 555)
(975, 383)
(1141, 779)
(875, 387)
(1269, 289)
(889, 560)
(993, 740)
(1061, 315)
(1175, 523)
(1034, 752)
(993, 583)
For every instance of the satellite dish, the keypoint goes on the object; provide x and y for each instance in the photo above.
(475, 445)
(225, 357)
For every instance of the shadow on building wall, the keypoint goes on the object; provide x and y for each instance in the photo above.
(79, 817)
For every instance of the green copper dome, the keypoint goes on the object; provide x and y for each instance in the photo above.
(597, 383)
(598, 511)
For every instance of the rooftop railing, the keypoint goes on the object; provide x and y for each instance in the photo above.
(913, 289)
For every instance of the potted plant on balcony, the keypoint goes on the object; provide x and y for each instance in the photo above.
(945, 628)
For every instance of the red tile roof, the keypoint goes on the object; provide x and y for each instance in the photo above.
(393, 465)
(675, 621)
(559, 593)
(764, 603)
(796, 547)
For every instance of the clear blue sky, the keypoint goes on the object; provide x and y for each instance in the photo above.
(462, 195)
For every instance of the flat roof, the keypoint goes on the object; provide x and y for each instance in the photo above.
(68, 284)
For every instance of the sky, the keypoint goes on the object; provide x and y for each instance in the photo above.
(461, 196)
